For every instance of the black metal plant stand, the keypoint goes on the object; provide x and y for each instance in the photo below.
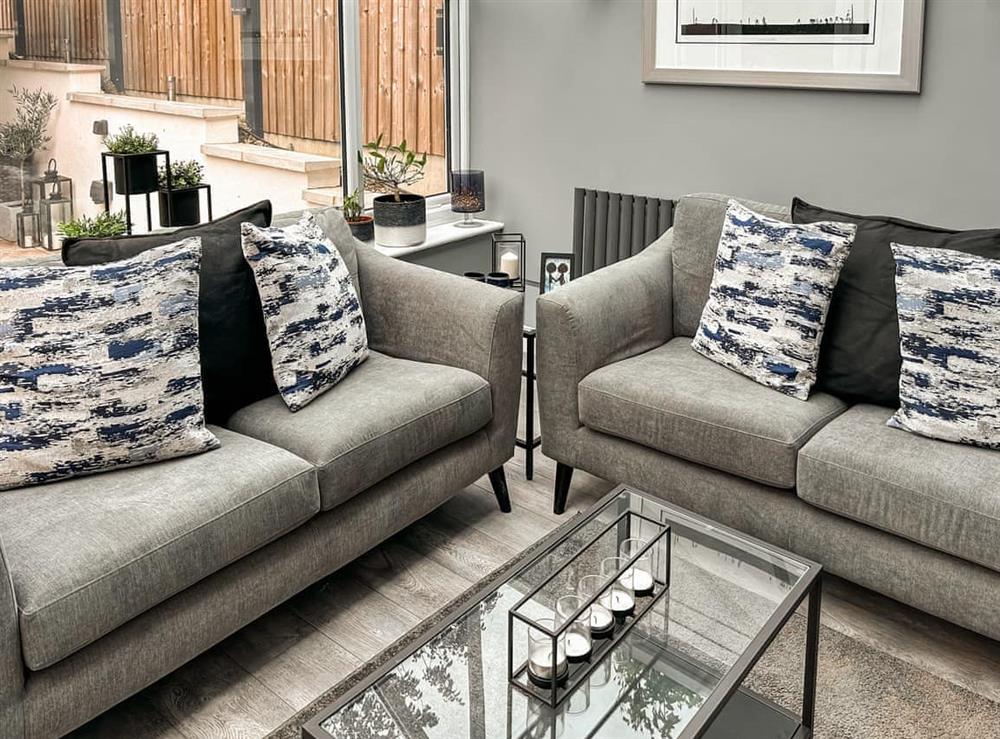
(531, 441)
(105, 155)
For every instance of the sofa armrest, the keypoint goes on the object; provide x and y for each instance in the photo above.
(419, 313)
(609, 315)
(11, 665)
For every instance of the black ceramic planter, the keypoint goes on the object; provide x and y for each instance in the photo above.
(185, 207)
(142, 176)
(363, 228)
(400, 223)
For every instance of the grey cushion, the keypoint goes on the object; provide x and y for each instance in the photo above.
(936, 493)
(90, 554)
(387, 413)
(697, 227)
(681, 403)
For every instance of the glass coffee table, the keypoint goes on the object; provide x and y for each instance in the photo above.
(683, 664)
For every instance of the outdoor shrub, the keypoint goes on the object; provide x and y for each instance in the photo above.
(183, 174)
(130, 141)
(104, 224)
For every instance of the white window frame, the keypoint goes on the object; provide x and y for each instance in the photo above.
(457, 56)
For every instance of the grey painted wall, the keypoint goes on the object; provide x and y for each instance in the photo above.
(557, 102)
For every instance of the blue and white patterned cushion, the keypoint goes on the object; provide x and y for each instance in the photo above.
(769, 297)
(99, 366)
(949, 331)
(311, 310)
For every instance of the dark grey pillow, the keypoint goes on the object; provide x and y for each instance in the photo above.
(235, 356)
(860, 359)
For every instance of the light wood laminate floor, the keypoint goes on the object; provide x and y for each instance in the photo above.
(262, 675)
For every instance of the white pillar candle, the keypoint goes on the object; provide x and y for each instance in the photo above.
(28, 241)
(509, 263)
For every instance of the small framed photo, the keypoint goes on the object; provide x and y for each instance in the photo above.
(556, 271)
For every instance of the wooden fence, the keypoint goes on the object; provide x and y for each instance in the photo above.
(198, 41)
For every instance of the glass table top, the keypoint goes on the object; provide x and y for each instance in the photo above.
(724, 590)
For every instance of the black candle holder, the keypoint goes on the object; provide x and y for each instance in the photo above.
(508, 256)
(571, 674)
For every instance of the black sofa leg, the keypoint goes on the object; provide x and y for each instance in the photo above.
(499, 482)
(564, 475)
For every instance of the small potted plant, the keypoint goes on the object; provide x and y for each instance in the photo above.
(181, 205)
(101, 225)
(400, 217)
(135, 157)
(20, 139)
(362, 225)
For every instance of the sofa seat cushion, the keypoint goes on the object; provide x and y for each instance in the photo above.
(387, 413)
(677, 401)
(936, 493)
(88, 555)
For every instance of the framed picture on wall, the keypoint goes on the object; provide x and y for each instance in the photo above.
(873, 45)
(556, 271)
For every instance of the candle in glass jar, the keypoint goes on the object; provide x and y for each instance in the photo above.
(510, 264)
(600, 618)
(540, 661)
(639, 580)
(619, 601)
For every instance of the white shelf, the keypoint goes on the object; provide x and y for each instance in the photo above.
(441, 235)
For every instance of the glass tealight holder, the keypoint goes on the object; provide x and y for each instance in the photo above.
(602, 621)
(578, 640)
(544, 665)
(640, 573)
(620, 597)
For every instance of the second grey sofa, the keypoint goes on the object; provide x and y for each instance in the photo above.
(109, 582)
(623, 396)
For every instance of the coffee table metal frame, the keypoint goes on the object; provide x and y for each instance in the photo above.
(809, 586)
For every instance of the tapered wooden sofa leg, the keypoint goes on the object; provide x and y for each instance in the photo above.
(564, 475)
(499, 482)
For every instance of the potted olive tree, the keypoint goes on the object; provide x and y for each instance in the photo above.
(400, 217)
(20, 139)
(135, 157)
(181, 204)
(362, 225)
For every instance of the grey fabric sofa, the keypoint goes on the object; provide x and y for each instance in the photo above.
(111, 581)
(623, 396)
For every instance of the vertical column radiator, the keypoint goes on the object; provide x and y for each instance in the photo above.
(611, 226)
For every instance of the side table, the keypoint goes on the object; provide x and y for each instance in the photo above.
(531, 441)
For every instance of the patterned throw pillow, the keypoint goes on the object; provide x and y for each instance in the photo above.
(949, 329)
(311, 310)
(99, 366)
(769, 297)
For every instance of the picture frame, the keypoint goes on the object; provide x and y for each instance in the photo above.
(866, 45)
(556, 270)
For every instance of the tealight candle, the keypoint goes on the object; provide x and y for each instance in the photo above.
(540, 657)
(639, 576)
(578, 640)
(602, 621)
(619, 598)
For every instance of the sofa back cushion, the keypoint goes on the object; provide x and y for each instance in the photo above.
(698, 220)
(235, 358)
(860, 359)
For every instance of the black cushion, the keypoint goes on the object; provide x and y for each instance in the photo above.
(235, 357)
(859, 359)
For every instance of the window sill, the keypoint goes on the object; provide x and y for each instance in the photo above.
(442, 234)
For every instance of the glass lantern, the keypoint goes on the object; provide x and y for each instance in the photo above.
(27, 227)
(54, 195)
(508, 256)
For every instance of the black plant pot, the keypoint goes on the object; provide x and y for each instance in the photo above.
(185, 207)
(363, 228)
(142, 177)
(402, 222)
